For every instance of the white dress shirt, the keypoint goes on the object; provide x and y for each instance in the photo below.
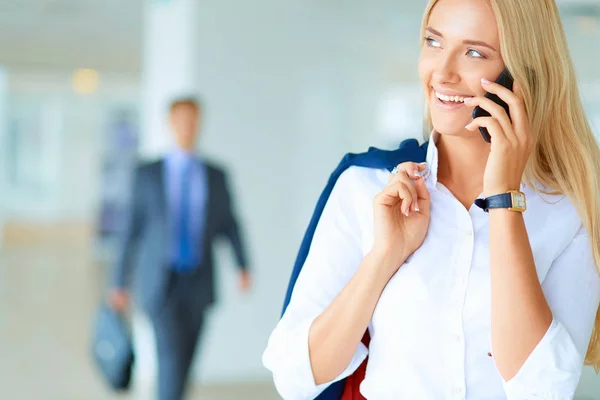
(431, 329)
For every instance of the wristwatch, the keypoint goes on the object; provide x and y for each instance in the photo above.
(513, 200)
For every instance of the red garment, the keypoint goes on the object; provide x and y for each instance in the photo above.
(352, 387)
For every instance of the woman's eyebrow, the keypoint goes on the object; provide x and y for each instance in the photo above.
(471, 42)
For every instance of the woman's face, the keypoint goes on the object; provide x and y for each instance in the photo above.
(461, 47)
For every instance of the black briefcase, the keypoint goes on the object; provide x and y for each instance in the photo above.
(113, 348)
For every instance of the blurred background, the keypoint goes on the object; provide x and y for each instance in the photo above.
(288, 87)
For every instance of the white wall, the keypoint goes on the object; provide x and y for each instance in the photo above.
(285, 98)
(62, 135)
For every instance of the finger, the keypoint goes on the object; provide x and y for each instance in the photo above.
(408, 182)
(392, 194)
(493, 127)
(515, 103)
(504, 93)
(521, 130)
(496, 111)
(407, 199)
(422, 192)
(420, 166)
(388, 196)
(517, 90)
(413, 170)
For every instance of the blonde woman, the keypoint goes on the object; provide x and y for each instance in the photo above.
(460, 302)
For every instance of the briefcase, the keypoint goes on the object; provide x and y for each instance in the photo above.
(113, 348)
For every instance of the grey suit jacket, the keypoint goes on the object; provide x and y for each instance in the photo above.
(142, 257)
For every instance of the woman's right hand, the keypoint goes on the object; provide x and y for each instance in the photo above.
(401, 215)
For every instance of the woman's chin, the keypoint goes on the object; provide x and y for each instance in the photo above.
(449, 130)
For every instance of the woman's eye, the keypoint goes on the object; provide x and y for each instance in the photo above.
(475, 54)
(432, 42)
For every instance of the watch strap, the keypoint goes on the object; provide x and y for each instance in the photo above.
(503, 200)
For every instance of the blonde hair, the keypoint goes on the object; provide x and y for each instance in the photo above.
(566, 158)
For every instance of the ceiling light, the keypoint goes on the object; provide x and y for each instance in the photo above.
(85, 80)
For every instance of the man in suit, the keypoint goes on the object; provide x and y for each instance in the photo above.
(179, 206)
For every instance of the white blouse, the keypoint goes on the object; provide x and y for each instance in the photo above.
(431, 327)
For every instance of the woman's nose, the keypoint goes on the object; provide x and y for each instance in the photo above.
(445, 71)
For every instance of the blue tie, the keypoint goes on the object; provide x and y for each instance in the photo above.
(185, 251)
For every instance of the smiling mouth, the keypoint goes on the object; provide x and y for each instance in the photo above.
(448, 103)
(449, 99)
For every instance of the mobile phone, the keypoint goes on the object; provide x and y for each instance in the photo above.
(505, 79)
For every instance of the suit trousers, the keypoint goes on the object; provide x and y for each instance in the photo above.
(177, 328)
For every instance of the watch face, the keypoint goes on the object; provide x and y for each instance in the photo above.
(518, 201)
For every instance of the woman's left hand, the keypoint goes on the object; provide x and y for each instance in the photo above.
(512, 142)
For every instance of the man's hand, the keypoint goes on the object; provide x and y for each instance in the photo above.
(245, 283)
(118, 299)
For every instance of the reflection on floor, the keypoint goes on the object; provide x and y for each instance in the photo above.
(49, 288)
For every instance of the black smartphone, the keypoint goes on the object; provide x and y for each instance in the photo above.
(505, 79)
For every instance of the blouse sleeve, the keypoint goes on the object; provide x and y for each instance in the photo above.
(572, 290)
(335, 255)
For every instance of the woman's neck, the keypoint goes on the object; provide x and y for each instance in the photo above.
(461, 165)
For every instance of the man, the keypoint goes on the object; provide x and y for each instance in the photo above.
(179, 206)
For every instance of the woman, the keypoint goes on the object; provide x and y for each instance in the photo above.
(462, 303)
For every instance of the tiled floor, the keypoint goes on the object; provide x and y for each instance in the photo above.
(49, 288)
